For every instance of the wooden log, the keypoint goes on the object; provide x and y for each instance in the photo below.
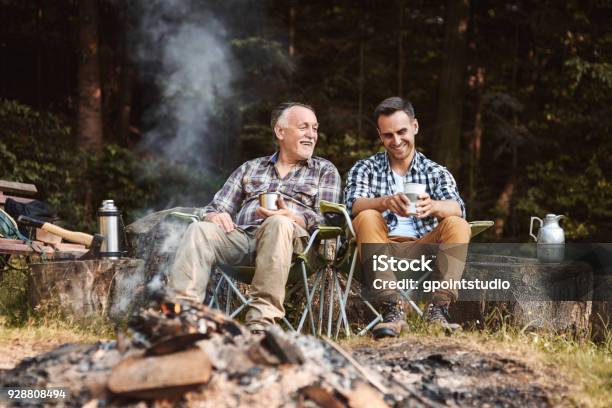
(108, 288)
(160, 376)
(537, 298)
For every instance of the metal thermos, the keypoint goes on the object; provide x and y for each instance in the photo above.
(108, 221)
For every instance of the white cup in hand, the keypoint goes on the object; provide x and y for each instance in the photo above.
(412, 191)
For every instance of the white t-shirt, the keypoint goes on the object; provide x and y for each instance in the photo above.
(405, 225)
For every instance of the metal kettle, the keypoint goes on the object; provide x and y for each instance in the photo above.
(550, 239)
(550, 231)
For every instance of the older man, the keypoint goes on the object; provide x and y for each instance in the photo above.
(375, 196)
(236, 230)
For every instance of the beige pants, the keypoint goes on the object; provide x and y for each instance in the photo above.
(269, 247)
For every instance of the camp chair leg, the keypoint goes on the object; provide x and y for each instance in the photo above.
(350, 277)
(414, 306)
(406, 294)
(347, 290)
(308, 301)
(342, 309)
(321, 303)
(228, 301)
(330, 314)
(214, 300)
(288, 324)
(373, 322)
(309, 305)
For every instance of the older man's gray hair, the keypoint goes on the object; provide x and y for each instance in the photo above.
(279, 114)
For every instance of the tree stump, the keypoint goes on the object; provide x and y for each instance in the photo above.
(537, 294)
(601, 316)
(102, 287)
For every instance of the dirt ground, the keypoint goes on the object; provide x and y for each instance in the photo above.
(428, 371)
(12, 351)
(458, 372)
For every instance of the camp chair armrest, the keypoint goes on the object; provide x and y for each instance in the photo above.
(329, 231)
(329, 207)
(476, 227)
(185, 216)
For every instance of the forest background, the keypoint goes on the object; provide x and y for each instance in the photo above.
(154, 103)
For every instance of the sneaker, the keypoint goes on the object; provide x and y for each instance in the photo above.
(437, 313)
(394, 319)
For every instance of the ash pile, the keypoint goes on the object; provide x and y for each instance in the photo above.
(185, 354)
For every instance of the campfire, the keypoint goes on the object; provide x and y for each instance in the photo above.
(180, 353)
(187, 353)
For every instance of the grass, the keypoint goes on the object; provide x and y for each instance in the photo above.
(43, 332)
(20, 322)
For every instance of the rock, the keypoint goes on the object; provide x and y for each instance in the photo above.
(156, 237)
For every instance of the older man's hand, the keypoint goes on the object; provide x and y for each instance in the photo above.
(224, 220)
(282, 210)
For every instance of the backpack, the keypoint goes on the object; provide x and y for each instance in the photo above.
(8, 227)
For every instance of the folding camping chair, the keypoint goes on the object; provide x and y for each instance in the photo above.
(300, 270)
(346, 257)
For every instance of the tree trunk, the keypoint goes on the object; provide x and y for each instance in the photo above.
(98, 287)
(534, 298)
(477, 83)
(400, 51)
(450, 100)
(90, 95)
(361, 85)
(126, 79)
(39, 59)
(292, 28)
(502, 207)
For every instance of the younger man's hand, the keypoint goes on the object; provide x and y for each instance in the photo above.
(425, 206)
(397, 203)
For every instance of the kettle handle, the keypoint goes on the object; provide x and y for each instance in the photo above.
(531, 227)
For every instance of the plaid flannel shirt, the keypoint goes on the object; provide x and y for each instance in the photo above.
(302, 188)
(372, 177)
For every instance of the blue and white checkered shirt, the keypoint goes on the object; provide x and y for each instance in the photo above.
(372, 177)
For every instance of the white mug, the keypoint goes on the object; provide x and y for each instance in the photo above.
(412, 191)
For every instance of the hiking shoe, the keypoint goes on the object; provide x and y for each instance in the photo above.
(437, 313)
(394, 319)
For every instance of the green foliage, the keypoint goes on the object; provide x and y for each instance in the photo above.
(37, 148)
(586, 197)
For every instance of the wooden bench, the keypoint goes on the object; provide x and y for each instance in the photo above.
(20, 192)
(45, 242)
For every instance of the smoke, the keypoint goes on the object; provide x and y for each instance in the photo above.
(182, 48)
(171, 233)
